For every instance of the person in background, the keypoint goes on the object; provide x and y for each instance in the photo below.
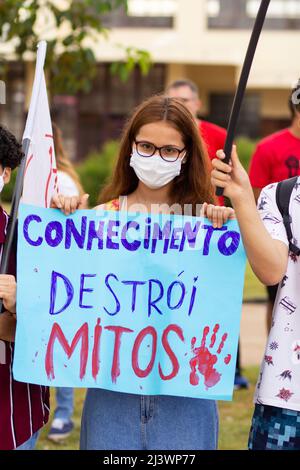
(277, 158)
(68, 184)
(24, 408)
(214, 137)
(68, 179)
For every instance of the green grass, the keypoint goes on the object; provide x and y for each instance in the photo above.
(235, 419)
(253, 290)
(235, 416)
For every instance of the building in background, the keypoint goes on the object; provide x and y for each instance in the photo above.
(204, 40)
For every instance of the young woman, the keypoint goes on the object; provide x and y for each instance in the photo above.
(162, 165)
(276, 418)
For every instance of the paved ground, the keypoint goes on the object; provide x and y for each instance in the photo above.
(253, 334)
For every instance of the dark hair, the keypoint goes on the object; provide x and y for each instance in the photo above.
(192, 185)
(184, 82)
(11, 152)
(294, 99)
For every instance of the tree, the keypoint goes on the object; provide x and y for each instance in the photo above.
(71, 65)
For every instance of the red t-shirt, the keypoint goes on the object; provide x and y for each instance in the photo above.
(214, 137)
(24, 408)
(276, 158)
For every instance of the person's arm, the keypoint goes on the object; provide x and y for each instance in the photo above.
(7, 326)
(268, 257)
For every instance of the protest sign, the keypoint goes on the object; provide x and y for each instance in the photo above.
(137, 303)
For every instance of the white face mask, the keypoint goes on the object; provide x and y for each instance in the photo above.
(2, 181)
(153, 171)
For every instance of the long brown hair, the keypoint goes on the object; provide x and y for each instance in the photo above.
(193, 185)
(63, 162)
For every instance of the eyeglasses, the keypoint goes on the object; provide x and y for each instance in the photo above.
(167, 152)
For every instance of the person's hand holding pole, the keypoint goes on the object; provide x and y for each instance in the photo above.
(268, 257)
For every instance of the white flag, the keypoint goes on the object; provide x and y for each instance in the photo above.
(40, 179)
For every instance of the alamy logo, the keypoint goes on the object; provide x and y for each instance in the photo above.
(2, 92)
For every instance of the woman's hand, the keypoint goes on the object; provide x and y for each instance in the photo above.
(232, 177)
(218, 215)
(8, 288)
(7, 326)
(68, 205)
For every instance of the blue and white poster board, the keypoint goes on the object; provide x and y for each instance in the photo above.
(136, 303)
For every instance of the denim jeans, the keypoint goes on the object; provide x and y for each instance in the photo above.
(64, 403)
(30, 444)
(121, 421)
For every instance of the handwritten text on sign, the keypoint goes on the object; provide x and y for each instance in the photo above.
(138, 303)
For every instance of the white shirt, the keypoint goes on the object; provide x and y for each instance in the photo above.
(279, 382)
(66, 185)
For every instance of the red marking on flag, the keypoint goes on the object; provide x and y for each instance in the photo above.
(49, 176)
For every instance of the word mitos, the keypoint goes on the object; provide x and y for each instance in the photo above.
(156, 233)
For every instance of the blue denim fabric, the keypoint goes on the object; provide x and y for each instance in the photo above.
(30, 444)
(64, 403)
(120, 421)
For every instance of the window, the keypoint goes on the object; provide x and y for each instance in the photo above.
(240, 14)
(277, 8)
(12, 112)
(162, 8)
(143, 14)
(249, 119)
(213, 8)
(103, 112)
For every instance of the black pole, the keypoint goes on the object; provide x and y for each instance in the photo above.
(238, 99)
(12, 223)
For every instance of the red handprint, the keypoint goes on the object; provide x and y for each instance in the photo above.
(204, 360)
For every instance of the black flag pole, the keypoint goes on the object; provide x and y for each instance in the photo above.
(12, 223)
(240, 92)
